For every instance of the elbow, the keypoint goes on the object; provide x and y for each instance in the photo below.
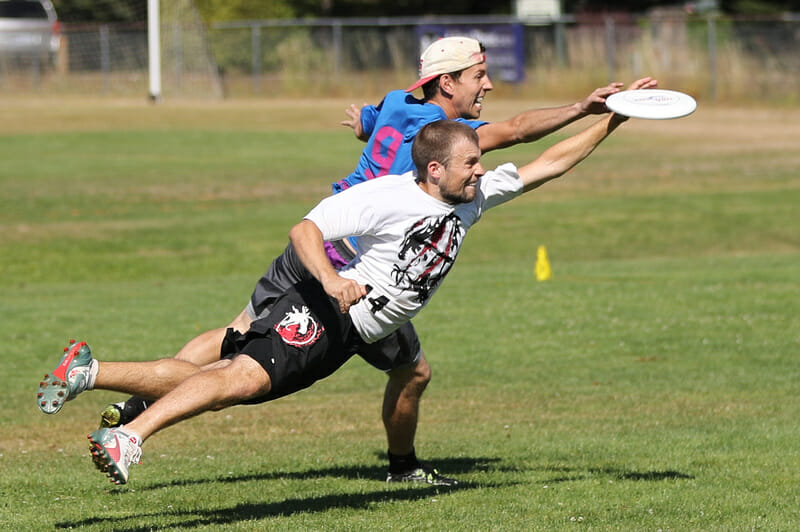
(294, 233)
(300, 231)
(520, 133)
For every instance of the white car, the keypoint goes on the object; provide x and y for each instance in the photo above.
(29, 28)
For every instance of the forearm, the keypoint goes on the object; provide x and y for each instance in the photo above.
(537, 123)
(527, 126)
(559, 158)
(309, 245)
(310, 248)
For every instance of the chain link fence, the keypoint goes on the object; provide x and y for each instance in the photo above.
(712, 57)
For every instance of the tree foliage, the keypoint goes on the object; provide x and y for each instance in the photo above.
(101, 10)
(224, 10)
(734, 7)
(760, 7)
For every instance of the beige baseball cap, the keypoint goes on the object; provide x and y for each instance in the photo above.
(446, 55)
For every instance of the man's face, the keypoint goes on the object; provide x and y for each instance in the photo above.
(458, 181)
(469, 90)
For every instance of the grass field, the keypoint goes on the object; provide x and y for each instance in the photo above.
(651, 385)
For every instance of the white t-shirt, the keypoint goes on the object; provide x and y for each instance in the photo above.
(407, 241)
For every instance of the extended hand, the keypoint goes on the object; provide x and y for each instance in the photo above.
(644, 83)
(595, 103)
(355, 120)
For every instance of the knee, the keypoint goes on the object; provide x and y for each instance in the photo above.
(244, 378)
(414, 379)
(422, 372)
(169, 368)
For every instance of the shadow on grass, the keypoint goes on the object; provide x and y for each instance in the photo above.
(354, 501)
(447, 466)
(571, 475)
(255, 511)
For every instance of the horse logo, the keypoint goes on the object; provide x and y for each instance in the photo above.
(299, 328)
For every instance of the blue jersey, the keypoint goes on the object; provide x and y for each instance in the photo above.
(391, 127)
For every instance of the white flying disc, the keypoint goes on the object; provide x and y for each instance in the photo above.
(652, 104)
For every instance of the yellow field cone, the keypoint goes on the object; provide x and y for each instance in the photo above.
(543, 271)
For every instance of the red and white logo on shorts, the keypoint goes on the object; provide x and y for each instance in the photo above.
(299, 328)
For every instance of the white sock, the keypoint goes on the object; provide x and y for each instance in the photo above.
(132, 435)
(92, 374)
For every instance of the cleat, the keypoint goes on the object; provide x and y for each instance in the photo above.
(423, 473)
(122, 413)
(70, 378)
(114, 451)
(112, 416)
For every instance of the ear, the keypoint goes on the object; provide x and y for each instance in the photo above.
(447, 84)
(435, 171)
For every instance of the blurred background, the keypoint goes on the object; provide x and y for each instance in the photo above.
(727, 51)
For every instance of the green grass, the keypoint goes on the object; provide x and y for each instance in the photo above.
(651, 385)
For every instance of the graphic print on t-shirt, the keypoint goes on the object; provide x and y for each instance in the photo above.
(427, 254)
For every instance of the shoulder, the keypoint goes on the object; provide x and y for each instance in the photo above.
(401, 97)
(385, 182)
(506, 176)
(399, 107)
(393, 181)
(474, 124)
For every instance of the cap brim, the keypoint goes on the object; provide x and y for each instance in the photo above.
(422, 81)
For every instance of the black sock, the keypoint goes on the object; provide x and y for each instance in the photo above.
(399, 463)
(133, 407)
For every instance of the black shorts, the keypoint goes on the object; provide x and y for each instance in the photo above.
(303, 339)
(398, 350)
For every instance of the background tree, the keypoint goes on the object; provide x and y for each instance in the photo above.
(101, 10)
(223, 10)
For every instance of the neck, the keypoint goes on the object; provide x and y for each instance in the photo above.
(431, 190)
(446, 104)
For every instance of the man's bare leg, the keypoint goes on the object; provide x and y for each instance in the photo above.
(79, 371)
(151, 379)
(217, 386)
(401, 405)
(205, 348)
(400, 417)
(201, 350)
(214, 387)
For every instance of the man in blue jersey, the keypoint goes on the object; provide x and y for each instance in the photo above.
(454, 79)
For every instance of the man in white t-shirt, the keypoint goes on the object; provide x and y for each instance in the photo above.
(409, 227)
(454, 80)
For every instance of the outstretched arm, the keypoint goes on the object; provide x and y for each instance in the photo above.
(559, 158)
(309, 245)
(537, 123)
